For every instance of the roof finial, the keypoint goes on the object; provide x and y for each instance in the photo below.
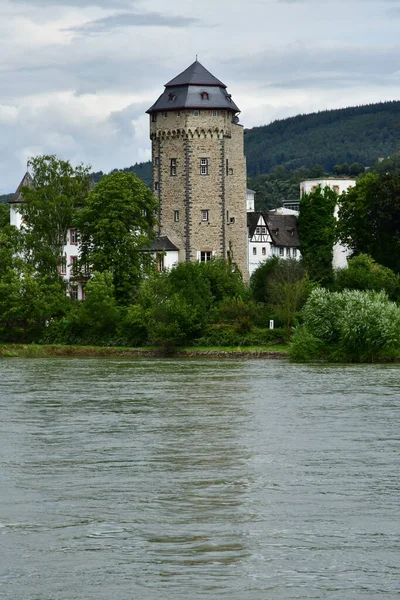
(196, 57)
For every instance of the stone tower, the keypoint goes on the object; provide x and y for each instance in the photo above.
(199, 168)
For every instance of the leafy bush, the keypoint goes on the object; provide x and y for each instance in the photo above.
(363, 273)
(348, 326)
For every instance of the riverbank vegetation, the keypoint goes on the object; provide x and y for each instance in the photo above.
(349, 314)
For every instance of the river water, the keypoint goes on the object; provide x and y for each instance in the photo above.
(185, 479)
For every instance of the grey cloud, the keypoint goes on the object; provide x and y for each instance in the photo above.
(105, 143)
(302, 66)
(108, 4)
(133, 19)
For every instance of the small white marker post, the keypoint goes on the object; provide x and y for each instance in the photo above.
(271, 324)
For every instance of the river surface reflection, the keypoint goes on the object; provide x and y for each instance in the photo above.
(185, 479)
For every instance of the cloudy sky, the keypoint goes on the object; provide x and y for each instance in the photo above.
(76, 76)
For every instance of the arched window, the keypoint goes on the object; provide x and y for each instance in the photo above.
(204, 96)
(171, 97)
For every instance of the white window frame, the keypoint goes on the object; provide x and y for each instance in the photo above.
(281, 251)
(176, 216)
(172, 167)
(203, 166)
(294, 252)
(204, 215)
(205, 255)
(254, 251)
(264, 251)
(196, 113)
(287, 252)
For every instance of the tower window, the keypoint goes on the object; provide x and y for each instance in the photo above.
(156, 161)
(205, 96)
(176, 216)
(196, 113)
(154, 117)
(254, 250)
(204, 166)
(264, 251)
(156, 185)
(204, 215)
(179, 113)
(205, 255)
(171, 97)
(165, 114)
(214, 113)
(227, 166)
(172, 167)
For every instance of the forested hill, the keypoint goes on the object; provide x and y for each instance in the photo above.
(361, 134)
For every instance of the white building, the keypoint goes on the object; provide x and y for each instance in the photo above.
(272, 233)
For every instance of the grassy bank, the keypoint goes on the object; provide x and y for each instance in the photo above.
(41, 351)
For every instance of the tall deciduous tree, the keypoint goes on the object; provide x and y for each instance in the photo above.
(317, 228)
(50, 202)
(369, 218)
(117, 225)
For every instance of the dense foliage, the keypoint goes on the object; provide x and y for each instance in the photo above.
(348, 326)
(369, 218)
(57, 190)
(116, 224)
(360, 134)
(317, 226)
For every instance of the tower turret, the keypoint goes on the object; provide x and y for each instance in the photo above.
(199, 168)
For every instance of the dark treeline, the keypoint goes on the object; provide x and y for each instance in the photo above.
(360, 134)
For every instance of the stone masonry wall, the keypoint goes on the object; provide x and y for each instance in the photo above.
(221, 192)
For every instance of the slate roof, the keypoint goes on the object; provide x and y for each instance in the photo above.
(163, 243)
(252, 220)
(283, 228)
(17, 198)
(196, 74)
(185, 91)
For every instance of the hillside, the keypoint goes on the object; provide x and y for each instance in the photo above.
(360, 134)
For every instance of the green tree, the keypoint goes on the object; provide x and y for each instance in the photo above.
(261, 279)
(363, 273)
(289, 289)
(317, 233)
(48, 210)
(348, 326)
(356, 169)
(117, 225)
(369, 218)
(4, 215)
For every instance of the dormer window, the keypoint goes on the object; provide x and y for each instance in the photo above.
(205, 96)
(171, 97)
